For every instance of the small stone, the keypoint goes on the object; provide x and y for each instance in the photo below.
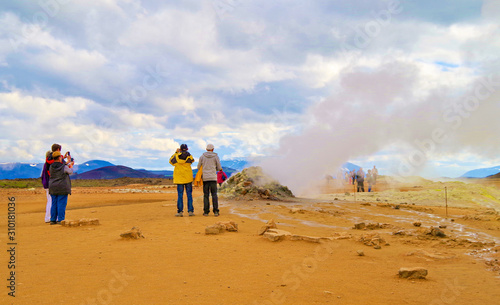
(274, 236)
(442, 226)
(437, 232)
(413, 273)
(377, 247)
(359, 226)
(417, 223)
(360, 253)
(134, 233)
(269, 225)
(214, 229)
(296, 210)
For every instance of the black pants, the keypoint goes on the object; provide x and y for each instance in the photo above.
(210, 187)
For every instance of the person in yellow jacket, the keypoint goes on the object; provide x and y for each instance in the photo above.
(183, 177)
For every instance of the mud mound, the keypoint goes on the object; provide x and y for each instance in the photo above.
(253, 183)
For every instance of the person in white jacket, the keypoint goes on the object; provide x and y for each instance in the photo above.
(211, 165)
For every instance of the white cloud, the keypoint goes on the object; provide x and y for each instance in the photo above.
(128, 73)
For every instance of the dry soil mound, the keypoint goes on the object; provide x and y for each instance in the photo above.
(252, 182)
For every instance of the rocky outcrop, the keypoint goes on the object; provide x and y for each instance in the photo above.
(253, 183)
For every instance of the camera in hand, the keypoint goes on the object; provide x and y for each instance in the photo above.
(69, 155)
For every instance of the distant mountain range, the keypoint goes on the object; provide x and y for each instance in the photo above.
(482, 172)
(90, 165)
(99, 169)
(20, 170)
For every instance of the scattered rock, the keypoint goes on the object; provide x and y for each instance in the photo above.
(230, 226)
(220, 227)
(359, 226)
(372, 226)
(81, 222)
(297, 210)
(269, 225)
(377, 247)
(442, 226)
(413, 273)
(214, 229)
(402, 233)
(371, 240)
(436, 232)
(311, 239)
(276, 235)
(360, 253)
(342, 235)
(134, 233)
(417, 223)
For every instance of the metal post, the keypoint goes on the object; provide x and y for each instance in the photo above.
(355, 190)
(446, 199)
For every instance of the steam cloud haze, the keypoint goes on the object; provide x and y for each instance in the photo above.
(384, 109)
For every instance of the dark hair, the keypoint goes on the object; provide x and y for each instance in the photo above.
(184, 147)
(56, 147)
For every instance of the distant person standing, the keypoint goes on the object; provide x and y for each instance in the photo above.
(369, 180)
(374, 174)
(183, 177)
(360, 178)
(211, 165)
(353, 176)
(221, 177)
(59, 186)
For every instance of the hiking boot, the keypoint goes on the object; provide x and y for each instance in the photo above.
(178, 214)
(53, 223)
(205, 214)
(216, 214)
(191, 213)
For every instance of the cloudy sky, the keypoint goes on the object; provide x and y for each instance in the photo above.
(410, 86)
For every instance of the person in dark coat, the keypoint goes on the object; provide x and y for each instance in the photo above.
(59, 187)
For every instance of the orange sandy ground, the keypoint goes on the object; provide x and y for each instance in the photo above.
(178, 264)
